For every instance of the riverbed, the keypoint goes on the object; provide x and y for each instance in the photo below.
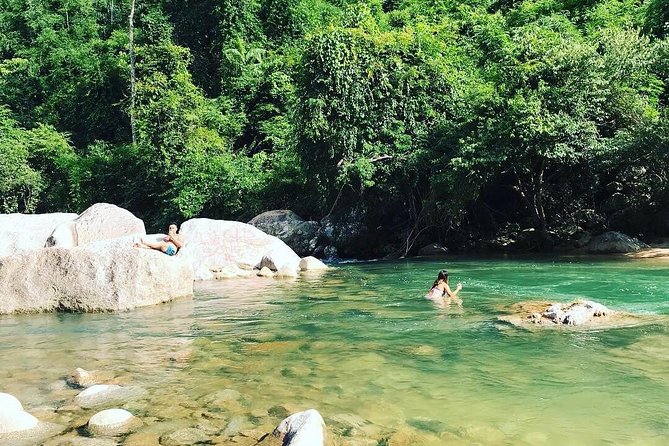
(380, 363)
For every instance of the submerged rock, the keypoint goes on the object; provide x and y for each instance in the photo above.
(104, 394)
(81, 378)
(113, 422)
(584, 313)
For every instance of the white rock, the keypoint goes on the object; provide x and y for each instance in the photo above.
(302, 429)
(577, 315)
(112, 422)
(311, 263)
(99, 222)
(26, 232)
(91, 279)
(9, 403)
(16, 421)
(100, 394)
(214, 244)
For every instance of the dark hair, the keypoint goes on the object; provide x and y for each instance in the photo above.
(443, 275)
(177, 226)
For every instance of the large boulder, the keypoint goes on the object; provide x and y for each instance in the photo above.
(26, 232)
(302, 236)
(99, 222)
(91, 279)
(211, 245)
(614, 242)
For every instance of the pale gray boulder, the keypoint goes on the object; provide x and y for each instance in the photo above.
(99, 222)
(21, 233)
(302, 429)
(212, 245)
(91, 279)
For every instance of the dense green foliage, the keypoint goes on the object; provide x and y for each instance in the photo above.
(424, 120)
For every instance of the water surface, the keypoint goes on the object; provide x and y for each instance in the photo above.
(362, 345)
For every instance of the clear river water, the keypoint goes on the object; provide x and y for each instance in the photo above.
(383, 365)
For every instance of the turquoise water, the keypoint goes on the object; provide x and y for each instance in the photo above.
(382, 364)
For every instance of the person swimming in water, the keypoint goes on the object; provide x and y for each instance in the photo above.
(441, 293)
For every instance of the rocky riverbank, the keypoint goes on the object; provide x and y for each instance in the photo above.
(65, 262)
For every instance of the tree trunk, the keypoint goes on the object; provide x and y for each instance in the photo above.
(531, 191)
(131, 31)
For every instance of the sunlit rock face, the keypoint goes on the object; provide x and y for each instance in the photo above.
(90, 279)
(212, 245)
(21, 233)
(99, 222)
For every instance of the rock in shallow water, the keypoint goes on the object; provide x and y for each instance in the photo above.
(101, 394)
(113, 422)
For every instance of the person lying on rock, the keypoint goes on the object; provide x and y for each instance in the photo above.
(170, 244)
(441, 292)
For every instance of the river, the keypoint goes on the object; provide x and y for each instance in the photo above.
(380, 363)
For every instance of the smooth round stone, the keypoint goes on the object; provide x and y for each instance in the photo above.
(106, 394)
(16, 421)
(112, 422)
(9, 403)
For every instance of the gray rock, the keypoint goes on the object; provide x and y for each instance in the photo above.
(27, 232)
(614, 242)
(302, 236)
(99, 222)
(302, 429)
(91, 279)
